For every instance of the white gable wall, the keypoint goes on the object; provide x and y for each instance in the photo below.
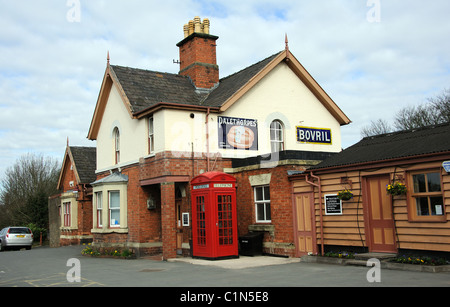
(133, 134)
(280, 95)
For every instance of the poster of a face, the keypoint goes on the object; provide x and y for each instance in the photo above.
(238, 133)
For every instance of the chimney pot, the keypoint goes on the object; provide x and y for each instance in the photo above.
(191, 27)
(206, 26)
(197, 25)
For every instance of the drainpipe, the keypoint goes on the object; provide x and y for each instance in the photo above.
(207, 138)
(318, 185)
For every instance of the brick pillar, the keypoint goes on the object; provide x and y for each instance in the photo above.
(169, 237)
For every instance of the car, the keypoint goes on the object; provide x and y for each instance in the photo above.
(16, 238)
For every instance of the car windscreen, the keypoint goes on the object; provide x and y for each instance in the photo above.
(20, 230)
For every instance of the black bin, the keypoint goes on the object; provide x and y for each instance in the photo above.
(251, 244)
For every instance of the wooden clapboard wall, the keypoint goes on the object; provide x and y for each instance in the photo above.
(349, 229)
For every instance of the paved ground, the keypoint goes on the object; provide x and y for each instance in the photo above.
(47, 267)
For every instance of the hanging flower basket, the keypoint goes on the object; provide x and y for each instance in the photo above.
(397, 188)
(345, 195)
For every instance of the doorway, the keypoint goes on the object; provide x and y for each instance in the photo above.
(380, 227)
(305, 234)
(179, 227)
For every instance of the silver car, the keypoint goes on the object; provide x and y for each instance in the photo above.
(16, 237)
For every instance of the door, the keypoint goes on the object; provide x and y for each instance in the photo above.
(226, 235)
(304, 224)
(380, 226)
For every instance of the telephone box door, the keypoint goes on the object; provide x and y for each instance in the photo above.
(225, 225)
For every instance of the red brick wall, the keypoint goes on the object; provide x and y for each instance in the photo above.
(68, 176)
(179, 164)
(280, 205)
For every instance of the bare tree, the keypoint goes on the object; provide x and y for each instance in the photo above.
(416, 117)
(436, 111)
(32, 179)
(379, 126)
(442, 104)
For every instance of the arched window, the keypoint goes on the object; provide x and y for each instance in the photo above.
(276, 136)
(116, 135)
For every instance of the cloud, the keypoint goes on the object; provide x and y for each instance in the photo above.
(51, 69)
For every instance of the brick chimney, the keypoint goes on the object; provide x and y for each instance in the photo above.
(198, 54)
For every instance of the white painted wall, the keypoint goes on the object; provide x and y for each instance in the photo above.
(281, 95)
(133, 134)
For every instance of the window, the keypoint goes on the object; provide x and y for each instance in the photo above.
(262, 204)
(151, 136)
(276, 136)
(109, 207)
(114, 209)
(427, 194)
(66, 212)
(425, 197)
(99, 205)
(117, 145)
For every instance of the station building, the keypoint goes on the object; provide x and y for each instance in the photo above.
(155, 132)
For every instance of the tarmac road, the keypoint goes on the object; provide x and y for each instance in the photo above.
(48, 267)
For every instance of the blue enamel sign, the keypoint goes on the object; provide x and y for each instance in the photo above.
(446, 166)
(314, 135)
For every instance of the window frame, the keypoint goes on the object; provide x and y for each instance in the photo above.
(99, 208)
(67, 214)
(151, 135)
(413, 196)
(265, 202)
(110, 209)
(278, 131)
(116, 135)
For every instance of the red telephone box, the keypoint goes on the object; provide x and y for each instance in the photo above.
(214, 217)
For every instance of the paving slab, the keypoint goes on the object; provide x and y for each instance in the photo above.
(242, 262)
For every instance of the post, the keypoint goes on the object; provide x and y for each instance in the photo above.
(168, 222)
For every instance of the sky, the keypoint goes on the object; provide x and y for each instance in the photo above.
(372, 57)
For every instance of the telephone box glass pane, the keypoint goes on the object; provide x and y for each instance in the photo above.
(224, 219)
(201, 225)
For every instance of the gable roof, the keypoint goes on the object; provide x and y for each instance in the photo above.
(145, 88)
(144, 91)
(391, 146)
(230, 85)
(84, 164)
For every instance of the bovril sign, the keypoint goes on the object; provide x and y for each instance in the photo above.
(314, 135)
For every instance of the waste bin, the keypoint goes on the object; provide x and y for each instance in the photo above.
(251, 244)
